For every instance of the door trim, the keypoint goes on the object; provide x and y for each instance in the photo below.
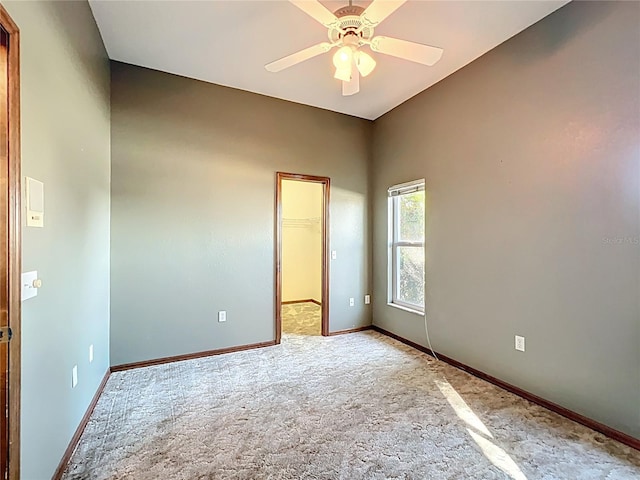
(14, 253)
(326, 182)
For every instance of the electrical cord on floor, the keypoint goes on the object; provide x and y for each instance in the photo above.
(426, 330)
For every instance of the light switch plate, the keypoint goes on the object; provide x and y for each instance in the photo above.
(222, 316)
(352, 302)
(28, 290)
(90, 353)
(334, 254)
(519, 343)
(74, 376)
(34, 196)
(367, 299)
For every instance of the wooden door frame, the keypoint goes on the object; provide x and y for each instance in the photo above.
(14, 255)
(326, 183)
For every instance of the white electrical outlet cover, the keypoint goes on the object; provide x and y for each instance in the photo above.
(519, 343)
(367, 299)
(352, 302)
(222, 316)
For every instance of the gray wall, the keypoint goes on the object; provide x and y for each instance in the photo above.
(533, 231)
(531, 158)
(193, 187)
(65, 144)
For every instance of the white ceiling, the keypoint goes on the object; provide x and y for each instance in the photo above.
(229, 42)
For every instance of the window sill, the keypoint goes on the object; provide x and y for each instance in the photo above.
(405, 309)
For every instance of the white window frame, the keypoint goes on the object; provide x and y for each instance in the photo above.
(395, 192)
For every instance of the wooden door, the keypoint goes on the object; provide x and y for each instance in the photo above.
(9, 248)
(4, 248)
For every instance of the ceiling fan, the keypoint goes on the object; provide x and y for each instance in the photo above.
(350, 29)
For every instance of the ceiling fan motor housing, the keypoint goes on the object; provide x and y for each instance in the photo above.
(349, 10)
(350, 24)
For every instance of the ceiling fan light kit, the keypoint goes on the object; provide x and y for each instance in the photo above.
(349, 29)
(365, 63)
(343, 60)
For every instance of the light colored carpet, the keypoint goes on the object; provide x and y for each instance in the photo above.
(302, 318)
(358, 406)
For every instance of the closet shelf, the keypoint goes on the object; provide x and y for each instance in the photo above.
(301, 222)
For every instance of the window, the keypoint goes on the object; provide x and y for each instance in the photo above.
(406, 244)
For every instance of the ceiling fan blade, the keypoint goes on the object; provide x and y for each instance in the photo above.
(298, 57)
(379, 10)
(316, 10)
(415, 52)
(352, 87)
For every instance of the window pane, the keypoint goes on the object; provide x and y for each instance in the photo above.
(411, 217)
(411, 275)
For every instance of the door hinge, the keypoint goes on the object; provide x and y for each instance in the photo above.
(5, 334)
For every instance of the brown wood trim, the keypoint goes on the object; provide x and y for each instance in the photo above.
(351, 330)
(78, 433)
(302, 177)
(417, 346)
(554, 407)
(15, 241)
(324, 302)
(277, 260)
(291, 302)
(306, 300)
(325, 257)
(191, 356)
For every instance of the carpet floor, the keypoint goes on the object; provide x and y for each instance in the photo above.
(358, 406)
(302, 318)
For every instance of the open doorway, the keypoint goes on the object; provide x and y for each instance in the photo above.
(302, 239)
